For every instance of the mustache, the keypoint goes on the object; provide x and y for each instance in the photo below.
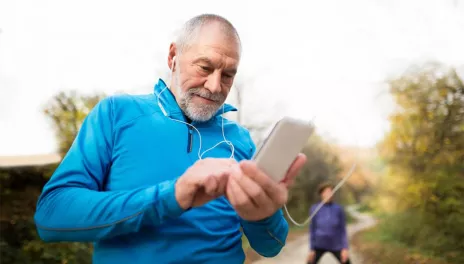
(205, 93)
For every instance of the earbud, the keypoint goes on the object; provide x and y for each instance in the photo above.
(173, 62)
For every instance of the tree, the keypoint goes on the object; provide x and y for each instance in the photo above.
(425, 155)
(67, 111)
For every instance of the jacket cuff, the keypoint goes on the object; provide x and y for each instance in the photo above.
(271, 226)
(270, 222)
(168, 201)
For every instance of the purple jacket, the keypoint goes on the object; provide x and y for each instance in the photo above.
(328, 228)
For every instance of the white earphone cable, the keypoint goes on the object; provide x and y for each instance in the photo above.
(338, 186)
(350, 172)
(200, 154)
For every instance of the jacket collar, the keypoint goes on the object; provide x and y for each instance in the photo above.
(170, 105)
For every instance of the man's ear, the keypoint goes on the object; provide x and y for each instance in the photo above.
(172, 56)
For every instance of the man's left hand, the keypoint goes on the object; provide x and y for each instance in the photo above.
(344, 255)
(256, 196)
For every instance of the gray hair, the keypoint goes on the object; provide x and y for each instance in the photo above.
(190, 29)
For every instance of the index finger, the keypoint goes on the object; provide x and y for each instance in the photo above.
(294, 169)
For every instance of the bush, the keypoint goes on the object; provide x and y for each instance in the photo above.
(420, 234)
(19, 241)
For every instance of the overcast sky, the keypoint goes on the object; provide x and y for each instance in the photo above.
(315, 58)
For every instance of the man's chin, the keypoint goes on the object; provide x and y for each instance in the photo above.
(199, 116)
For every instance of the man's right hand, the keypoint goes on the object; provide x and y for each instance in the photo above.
(204, 181)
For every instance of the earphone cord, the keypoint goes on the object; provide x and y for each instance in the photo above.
(200, 155)
(350, 172)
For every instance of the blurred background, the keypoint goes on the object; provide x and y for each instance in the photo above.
(384, 80)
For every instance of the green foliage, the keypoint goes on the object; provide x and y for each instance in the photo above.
(28, 248)
(20, 188)
(419, 236)
(425, 155)
(67, 111)
(377, 245)
(365, 208)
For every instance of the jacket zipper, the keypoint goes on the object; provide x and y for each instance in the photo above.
(190, 139)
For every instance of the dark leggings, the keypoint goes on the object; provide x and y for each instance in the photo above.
(321, 252)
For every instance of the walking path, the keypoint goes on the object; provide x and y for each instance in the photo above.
(296, 251)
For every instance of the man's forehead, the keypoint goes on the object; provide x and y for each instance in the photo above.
(216, 37)
(214, 52)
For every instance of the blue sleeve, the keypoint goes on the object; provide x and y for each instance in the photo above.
(73, 205)
(312, 229)
(267, 237)
(343, 233)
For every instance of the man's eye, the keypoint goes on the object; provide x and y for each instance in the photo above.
(205, 68)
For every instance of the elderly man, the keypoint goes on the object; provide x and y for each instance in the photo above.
(164, 177)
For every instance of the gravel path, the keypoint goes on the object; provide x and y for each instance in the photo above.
(296, 251)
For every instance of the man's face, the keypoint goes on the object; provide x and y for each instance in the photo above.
(326, 193)
(204, 73)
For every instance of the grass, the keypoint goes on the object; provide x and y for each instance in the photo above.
(377, 247)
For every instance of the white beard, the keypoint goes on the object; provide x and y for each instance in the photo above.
(196, 112)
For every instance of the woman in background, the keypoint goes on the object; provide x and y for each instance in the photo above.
(327, 231)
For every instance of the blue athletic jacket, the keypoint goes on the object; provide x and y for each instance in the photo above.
(115, 187)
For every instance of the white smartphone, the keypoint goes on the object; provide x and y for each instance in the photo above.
(281, 147)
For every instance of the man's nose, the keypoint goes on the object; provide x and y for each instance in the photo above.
(213, 83)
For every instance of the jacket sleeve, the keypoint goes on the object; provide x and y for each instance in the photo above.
(343, 233)
(267, 237)
(312, 229)
(73, 205)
